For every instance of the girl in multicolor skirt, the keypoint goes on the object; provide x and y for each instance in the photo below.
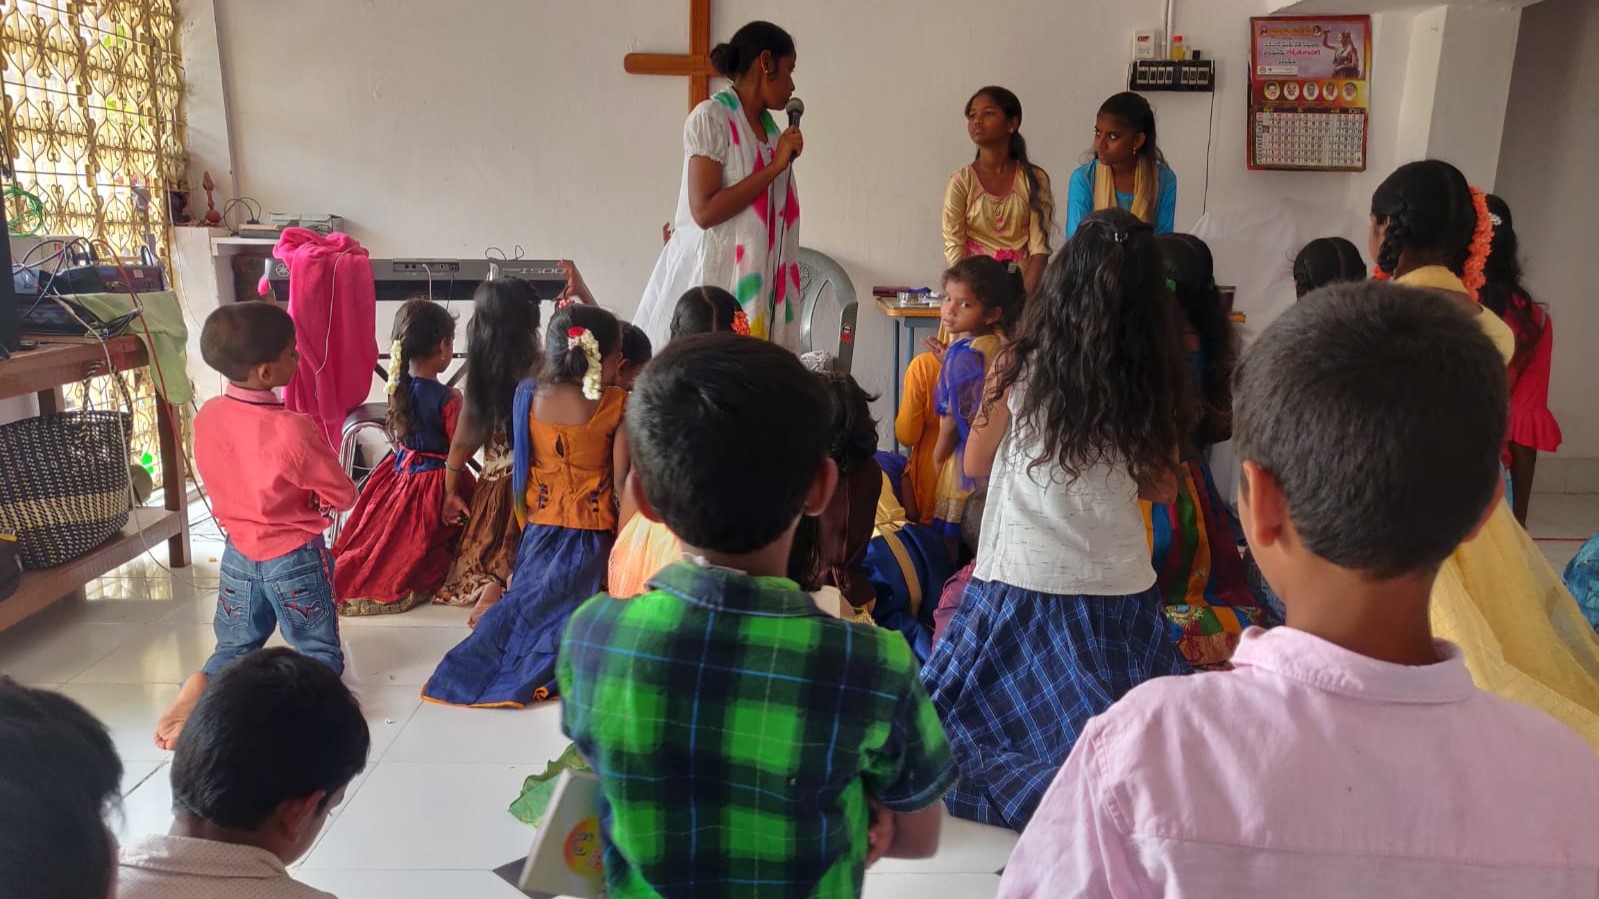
(1082, 417)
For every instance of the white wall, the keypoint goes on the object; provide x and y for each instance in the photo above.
(441, 129)
(1547, 175)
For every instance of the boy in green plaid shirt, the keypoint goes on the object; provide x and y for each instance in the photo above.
(745, 741)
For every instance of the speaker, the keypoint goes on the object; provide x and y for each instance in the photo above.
(10, 337)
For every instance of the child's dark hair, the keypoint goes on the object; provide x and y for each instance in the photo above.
(707, 402)
(502, 348)
(1099, 355)
(237, 337)
(565, 363)
(702, 310)
(636, 348)
(1324, 261)
(1430, 216)
(60, 776)
(1011, 106)
(1135, 112)
(1192, 269)
(273, 726)
(419, 328)
(735, 57)
(997, 285)
(853, 428)
(854, 434)
(1503, 282)
(1385, 501)
(972, 518)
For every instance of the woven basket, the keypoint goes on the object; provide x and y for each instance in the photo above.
(64, 483)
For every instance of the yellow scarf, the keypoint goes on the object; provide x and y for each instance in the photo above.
(1436, 277)
(1146, 186)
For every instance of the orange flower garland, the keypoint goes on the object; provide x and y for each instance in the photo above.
(1482, 240)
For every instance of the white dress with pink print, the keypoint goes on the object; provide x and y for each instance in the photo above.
(755, 254)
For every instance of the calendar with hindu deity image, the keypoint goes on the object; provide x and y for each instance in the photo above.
(1308, 80)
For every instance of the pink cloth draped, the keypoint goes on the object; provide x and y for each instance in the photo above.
(334, 307)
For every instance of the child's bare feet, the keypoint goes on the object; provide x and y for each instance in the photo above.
(486, 598)
(170, 725)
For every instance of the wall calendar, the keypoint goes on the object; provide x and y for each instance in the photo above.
(1308, 80)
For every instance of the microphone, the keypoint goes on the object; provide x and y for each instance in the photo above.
(795, 108)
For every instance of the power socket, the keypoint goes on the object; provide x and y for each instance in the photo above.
(1190, 75)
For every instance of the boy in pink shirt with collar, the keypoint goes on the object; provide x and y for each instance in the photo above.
(1347, 753)
(272, 480)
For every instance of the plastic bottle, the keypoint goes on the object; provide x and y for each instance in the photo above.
(1178, 51)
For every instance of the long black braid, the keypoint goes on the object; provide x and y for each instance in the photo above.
(1430, 216)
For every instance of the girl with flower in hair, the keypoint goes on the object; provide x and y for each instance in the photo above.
(1522, 633)
(388, 558)
(569, 451)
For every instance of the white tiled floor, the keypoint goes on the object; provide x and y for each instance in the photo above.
(428, 817)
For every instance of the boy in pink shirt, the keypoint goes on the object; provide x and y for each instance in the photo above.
(272, 480)
(1348, 753)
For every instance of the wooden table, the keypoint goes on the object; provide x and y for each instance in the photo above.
(43, 371)
(907, 321)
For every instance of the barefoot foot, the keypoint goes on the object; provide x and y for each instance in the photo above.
(170, 725)
(486, 598)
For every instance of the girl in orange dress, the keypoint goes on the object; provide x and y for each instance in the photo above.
(570, 452)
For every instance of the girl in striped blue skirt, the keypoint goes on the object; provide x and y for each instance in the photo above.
(1082, 419)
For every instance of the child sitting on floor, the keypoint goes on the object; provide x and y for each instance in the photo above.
(644, 547)
(570, 452)
(272, 478)
(266, 757)
(1082, 418)
(983, 301)
(60, 778)
(949, 599)
(837, 555)
(1348, 753)
(392, 555)
(636, 353)
(502, 350)
(738, 733)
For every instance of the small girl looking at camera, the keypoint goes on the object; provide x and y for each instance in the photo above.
(983, 300)
(570, 455)
(389, 557)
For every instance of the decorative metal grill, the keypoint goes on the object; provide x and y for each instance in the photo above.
(93, 127)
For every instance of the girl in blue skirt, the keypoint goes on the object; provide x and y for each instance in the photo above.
(570, 455)
(1082, 418)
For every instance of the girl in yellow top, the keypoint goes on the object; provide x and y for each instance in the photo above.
(1522, 633)
(570, 453)
(983, 299)
(1000, 205)
(916, 426)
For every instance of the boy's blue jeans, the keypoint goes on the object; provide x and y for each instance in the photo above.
(293, 591)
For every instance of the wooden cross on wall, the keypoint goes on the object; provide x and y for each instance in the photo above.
(696, 65)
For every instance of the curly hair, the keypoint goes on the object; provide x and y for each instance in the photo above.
(997, 285)
(1099, 355)
(419, 328)
(1430, 216)
(502, 348)
(1191, 268)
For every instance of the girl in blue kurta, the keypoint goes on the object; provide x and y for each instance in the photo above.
(1128, 170)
